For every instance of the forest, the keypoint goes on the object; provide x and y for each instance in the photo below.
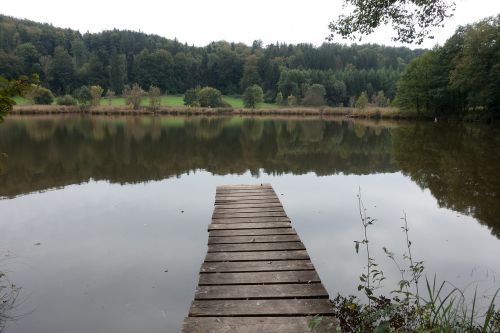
(65, 60)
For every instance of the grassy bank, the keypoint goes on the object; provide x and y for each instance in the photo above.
(368, 113)
(169, 100)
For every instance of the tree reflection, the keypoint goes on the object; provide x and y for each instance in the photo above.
(458, 164)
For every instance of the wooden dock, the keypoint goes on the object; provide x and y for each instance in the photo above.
(257, 275)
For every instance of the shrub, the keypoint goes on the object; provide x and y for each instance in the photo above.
(154, 94)
(315, 95)
(134, 95)
(210, 97)
(279, 98)
(362, 101)
(292, 100)
(40, 95)
(66, 100)
(252, 96)
(110, 95)
(96, 93)
(83, 95)
(191, 97)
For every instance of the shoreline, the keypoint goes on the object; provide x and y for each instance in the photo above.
(369, 113)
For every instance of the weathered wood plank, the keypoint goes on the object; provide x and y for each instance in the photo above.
(259, 278)
(246, 196)
(256, 324)
(260, 307)
(235, 186)
(253, 239)
(245, 191)
(256, 256)
(233, 205)
(252, 232)
(248, 247)
(263, 225)
(247, 215)
(245, 200)
(268, 219)
(219, 210)
(310, 290)
(256, 266)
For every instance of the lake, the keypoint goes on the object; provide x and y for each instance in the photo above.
(103, 221)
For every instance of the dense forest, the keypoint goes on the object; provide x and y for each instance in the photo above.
(66, 60)
(461, 78)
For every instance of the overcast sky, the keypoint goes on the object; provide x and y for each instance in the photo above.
(199, 22)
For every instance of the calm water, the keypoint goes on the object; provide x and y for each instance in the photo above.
(90, 212)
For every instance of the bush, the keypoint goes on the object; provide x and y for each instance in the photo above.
(252, 96)
(40, 95)
(154, 94)
(110, 95)
(96, 93)
(315, 95)
(279, 98)
(134, 95)
(292, 100)
(210, 97)
(191, 97)
(362, 101)
(66, 100)
(83, 95)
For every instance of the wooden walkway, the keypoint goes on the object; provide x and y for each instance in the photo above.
(257, 275)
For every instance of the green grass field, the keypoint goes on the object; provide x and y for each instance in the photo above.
(170, 100)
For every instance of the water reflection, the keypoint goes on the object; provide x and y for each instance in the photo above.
(458, 164)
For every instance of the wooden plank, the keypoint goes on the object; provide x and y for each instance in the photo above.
(219, 210)
(263, 225)
(259, 278)
(252, 232)
(235, 186)
(253, 239)
(261, 196)
(232, 206)
(260, 307)
(248, 247)
(256, 256)
(311, 290)
(268, 219)
(256, 266)
(247, 215)
(247, 201)
(256, 325)
(245, 191)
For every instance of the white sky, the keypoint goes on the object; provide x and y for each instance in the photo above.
(199, 22)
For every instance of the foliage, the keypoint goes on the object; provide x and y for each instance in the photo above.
(252, 96)
(8, 296)
(96, 93)
(210, 97)
(408, 311)
(83, 95)
(134, 95)
(154, 95)
(66, 100)
(11, 88)
(380, 99)
(291, 100)
(66, 59)
(110, 95)
(191, 97)
(457, 79)
(413, 20)
(315, 95)
(40, 95)
(362, 101)
(279, 98)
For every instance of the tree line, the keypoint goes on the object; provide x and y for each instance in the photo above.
(460, 79)
(66, 60)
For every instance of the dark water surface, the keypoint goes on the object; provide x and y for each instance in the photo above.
(103, 198)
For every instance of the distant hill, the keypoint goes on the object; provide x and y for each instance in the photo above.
(65, 60)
